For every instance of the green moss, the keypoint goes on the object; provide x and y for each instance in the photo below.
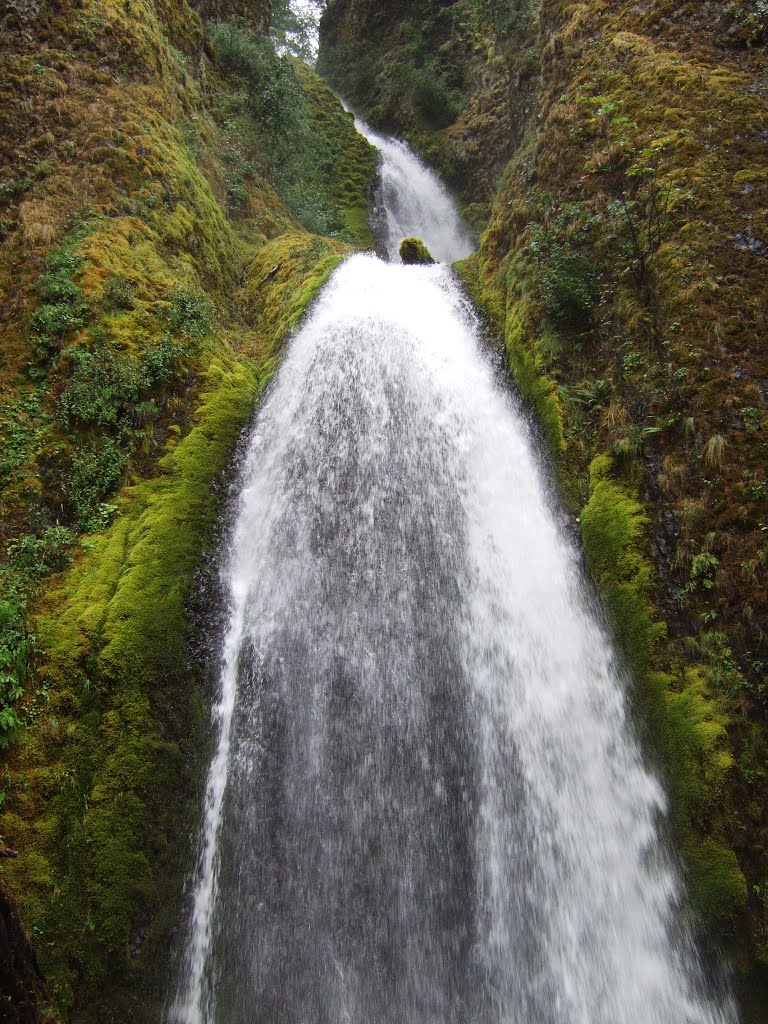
(115, 632)
(414, 251)
(109, 772)
(350, 159)
(717, 885)
(432, 99)
(612, 528)
(489, 301)
(536, 387)
(281, 119)
(295, 266)
(683, 718)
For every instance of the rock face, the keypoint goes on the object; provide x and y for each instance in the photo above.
(413, 251)
(615, 155)
(255, 12)
(22, 986)
(438, 74)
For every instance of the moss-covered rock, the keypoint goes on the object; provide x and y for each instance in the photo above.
(414, 251)
(683, 717)
(106, 780)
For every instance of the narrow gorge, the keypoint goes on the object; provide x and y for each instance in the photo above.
(383, 642)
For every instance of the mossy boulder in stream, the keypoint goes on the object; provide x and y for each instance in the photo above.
(413, 251)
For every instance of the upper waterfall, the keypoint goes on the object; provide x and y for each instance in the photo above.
(416, 203)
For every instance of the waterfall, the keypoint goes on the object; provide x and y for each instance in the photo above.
(427, 804)
(413, 202)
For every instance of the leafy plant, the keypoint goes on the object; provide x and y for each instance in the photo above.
(432, 98)
(754, 488)
(632, 361)
(190, 313)
(631, 175)
(41, 555)
(567, 280)
(96, 470)
(752, 418)
(703, 567)
(592, 395)
(64, 308)
(118, 292)
(294, 27)
(15, 646)
(273, 94)
(103, 390)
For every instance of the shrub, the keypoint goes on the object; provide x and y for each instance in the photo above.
(15, 645)
(40, 555)
(190, 313)
(160, 363)
(104, 388)
(432, 99)
(95, 472)
(273, 92)
(118, 292)
(567, 281)
(65, 308)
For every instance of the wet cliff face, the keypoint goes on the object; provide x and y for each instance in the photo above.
(625, 258)
(21, 981)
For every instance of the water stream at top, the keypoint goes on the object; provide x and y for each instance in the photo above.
(414, 203)
(426, 803)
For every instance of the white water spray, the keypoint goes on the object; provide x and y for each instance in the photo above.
(426, 805)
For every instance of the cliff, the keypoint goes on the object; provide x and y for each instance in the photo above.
(614, 156)
(172, 195)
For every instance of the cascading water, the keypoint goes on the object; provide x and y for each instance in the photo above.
(414, 203)
(426, 805)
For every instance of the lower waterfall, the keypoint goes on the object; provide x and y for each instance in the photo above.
(427, 804)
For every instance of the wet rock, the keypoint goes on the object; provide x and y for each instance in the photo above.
(746, 241)
(21, 981)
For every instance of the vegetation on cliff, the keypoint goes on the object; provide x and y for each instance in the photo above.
(171, 197)
(155, 252)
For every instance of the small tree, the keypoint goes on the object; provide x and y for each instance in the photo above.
(295, 26)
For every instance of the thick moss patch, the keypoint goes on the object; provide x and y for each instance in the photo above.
(680, 712)
(625, 260)
(284, 279)
(152, 272)
(102, 789)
